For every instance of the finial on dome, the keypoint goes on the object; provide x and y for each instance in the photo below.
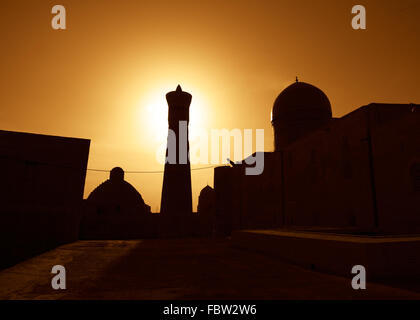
(116, 174)
(297, 80)
(179, 89)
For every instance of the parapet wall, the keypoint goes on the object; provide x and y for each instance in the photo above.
(26, 232)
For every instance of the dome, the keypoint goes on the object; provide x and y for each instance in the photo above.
(300, 102)
(206, 191)
(117, 192)
(206, 199)
(299, 109)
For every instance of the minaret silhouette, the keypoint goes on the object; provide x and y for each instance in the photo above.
(176, 192)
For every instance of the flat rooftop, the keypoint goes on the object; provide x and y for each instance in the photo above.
(177, 269)
(333, 235)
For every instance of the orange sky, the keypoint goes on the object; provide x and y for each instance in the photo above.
(104, 77)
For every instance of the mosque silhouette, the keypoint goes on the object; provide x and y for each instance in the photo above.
(358, 174)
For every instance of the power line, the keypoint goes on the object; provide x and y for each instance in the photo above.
(33, 163)
(157, 171)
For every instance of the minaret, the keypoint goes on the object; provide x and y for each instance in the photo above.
(176, 192)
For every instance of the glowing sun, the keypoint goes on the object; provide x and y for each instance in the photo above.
(154, 114)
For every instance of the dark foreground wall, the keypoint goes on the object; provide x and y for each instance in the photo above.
(41, 192)
(29, 231)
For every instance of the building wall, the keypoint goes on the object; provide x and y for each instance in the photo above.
(327, 176)
(359, 172)
(42, 170)
(260, 195)
(396, 150)
(41, 192)
(226, 196)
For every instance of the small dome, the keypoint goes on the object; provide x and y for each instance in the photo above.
(300, 102)
(206, 199)
(206, 190)
(117, 191)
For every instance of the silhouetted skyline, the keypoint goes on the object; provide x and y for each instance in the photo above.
(295, 132)
(105, 77)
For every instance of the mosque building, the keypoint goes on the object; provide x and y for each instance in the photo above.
(357, 173)
(117, 196)
(116, 210)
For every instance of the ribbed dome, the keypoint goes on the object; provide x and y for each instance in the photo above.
(300, 102)
(116, 191)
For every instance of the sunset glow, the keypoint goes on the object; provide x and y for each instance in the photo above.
(106, 76)
(153, 114)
